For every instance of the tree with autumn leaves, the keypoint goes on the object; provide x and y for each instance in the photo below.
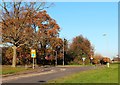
(79, 48)
(26, 26)
(26, 23)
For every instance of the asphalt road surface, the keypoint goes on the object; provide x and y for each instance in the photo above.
(49, 73)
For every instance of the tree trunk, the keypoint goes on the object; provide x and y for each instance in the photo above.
(14, 56)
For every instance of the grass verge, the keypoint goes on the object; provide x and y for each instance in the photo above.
(7, 69)
(99, 75)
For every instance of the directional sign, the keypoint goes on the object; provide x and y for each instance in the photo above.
(33, 53)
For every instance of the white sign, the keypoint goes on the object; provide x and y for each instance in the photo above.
(83, 59)
(91, 58)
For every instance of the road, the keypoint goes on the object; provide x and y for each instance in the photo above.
(49, 73)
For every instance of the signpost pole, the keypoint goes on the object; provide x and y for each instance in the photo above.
(91, 58)
(83, 60)
(33, 55)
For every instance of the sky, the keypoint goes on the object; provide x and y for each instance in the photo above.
(90, 19)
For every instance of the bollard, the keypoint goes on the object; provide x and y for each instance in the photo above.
(108, 65)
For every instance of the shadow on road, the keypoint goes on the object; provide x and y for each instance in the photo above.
(42, 81)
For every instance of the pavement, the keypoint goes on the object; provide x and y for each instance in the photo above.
(29, 73)
(45, 74)
(36, 70)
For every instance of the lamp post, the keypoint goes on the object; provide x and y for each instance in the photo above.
(63, 52)
(106, 48)
(104, 35)
(56, 58)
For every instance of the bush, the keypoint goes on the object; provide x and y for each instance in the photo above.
(7, 54)
(95, 61)
(87, 61)
(79, 61)
(73, 63)
(105, 60)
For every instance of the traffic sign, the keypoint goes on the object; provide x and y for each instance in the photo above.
(33, 53)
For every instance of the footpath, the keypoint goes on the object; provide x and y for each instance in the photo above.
(29, 73)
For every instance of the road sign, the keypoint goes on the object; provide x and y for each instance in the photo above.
(33, 53)
(83, 59)
(91, 58)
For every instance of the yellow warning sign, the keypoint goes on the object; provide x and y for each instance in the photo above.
(33, 53)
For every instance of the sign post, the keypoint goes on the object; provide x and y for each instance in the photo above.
(33, 55)
(33, 63)
(91, 58)
(83, 60)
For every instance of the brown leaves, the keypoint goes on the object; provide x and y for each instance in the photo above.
(81, 46)
(27, 25)
(55, 42)
(106, 59)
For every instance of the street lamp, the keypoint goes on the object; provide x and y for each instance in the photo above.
(63, 51)
(55, 57)
(106, 49)
(57, 48)
(105, 40)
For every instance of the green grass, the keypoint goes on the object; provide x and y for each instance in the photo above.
(74, 65)
(10, 70)
(99, 75)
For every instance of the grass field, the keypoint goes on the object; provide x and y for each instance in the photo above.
(10, 70)
(100, 75)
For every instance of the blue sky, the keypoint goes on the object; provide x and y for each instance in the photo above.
(90, 19)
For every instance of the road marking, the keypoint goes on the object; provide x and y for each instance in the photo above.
(62, 69)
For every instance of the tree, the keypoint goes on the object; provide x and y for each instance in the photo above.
(81, 47)
(105, 60)
(48, 30)
(23, 55)
(97, 58)
(18, 27)
(7, 55)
